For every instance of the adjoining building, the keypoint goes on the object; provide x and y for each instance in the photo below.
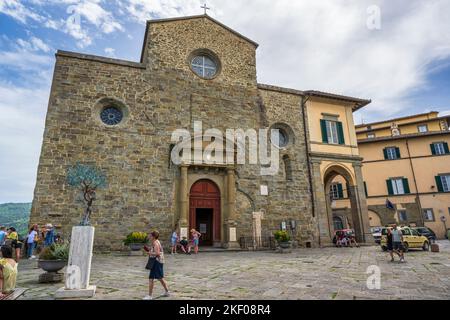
(406, 161)
(120, 116)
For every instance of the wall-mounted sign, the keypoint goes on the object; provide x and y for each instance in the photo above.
(203, 228)
(264, 190)
(283, 226)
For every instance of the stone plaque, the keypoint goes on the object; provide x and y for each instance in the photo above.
(184, 233)
(233, 237)
(264, 190)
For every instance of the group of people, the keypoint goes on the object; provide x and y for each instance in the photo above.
(395, 243)
(345, 239)
(46, 236)
(11, 245)
(184, 244)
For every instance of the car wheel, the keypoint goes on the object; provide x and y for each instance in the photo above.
(426, 246)
(384, 248)
(405, 247)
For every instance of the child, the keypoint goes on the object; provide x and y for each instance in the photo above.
(174, 241)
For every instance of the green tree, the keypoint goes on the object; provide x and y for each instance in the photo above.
(88, 179)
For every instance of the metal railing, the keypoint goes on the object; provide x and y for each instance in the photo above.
(262, 243)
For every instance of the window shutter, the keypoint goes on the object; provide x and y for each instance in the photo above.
(439, 184)
(365, 189)
(340, 130)
(397, 151)
(323, 125)
(406, 186)
(389, 187)
(340, 191)
(433, 149)
(385, 154)
(446, 148)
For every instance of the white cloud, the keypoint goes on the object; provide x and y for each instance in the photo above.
(18, 11)
(34, 44)
(143, 10)
(21, 131)
(110, 52)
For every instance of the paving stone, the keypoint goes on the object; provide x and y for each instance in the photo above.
(329, 274)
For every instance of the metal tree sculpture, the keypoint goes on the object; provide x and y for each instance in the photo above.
(88, 179)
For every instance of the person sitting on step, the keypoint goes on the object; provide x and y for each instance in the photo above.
(8, 272)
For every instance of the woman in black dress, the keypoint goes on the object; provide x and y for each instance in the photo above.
(157, 271)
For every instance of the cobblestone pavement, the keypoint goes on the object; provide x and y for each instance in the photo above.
(303, 274)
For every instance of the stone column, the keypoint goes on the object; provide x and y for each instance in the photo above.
(360, 212)
(320, 204)
(184, 202)
(79, 265)
(231, 230)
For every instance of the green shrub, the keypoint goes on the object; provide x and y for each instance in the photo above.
(55, 252)
(282, 236)
(136, 237)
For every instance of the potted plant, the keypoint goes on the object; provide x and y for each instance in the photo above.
(136, 240)
(54, 258)
(283, 239)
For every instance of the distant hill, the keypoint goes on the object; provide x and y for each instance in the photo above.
(15, 215)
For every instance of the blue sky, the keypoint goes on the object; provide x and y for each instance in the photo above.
(403, 66)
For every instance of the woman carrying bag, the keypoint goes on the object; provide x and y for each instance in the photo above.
(156, 266)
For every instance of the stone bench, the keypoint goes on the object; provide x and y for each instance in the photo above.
(16, 294)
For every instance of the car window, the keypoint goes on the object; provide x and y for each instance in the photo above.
(406, 232)
(415, 233)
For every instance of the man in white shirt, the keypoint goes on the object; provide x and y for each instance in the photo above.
(397, 242)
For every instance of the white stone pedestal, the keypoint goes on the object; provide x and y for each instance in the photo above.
(79, 268)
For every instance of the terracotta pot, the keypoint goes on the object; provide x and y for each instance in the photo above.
(52, 265)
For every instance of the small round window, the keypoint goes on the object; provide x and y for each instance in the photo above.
(204, 66)
(283, 139)
(111, 116)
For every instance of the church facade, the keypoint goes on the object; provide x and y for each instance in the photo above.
(120, 116)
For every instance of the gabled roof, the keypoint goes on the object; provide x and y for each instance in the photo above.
(360, 103)
(149, 22)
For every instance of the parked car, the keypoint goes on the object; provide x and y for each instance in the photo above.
(411, 239)
(376, 233)
(427, 232)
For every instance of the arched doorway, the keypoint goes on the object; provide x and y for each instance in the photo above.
(374, 219)
(338, 223)
(205, 215)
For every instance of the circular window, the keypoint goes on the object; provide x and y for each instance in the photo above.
(283, 139)
(204, 66)
(285, 135)
(111, 116)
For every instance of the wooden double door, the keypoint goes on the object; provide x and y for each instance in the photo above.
(205, 215)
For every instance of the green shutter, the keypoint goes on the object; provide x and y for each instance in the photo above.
(389, 187)
(439, 184)
(397, 151)
(340, 130)
(406, 186)
(323, 125)
(365, 189)
(446, 148)
(340, 191)
(433, 149)
(385, 154)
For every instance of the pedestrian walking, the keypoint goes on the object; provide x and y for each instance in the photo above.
(397, 242)
(156, 266)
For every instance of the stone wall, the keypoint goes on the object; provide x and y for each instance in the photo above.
(159, 96)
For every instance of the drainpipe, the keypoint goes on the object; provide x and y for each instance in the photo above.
(415, 184)
(308, 160)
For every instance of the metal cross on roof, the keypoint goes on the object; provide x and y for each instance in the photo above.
(205, 7)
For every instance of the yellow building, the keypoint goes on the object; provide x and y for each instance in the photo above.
(407, 162)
